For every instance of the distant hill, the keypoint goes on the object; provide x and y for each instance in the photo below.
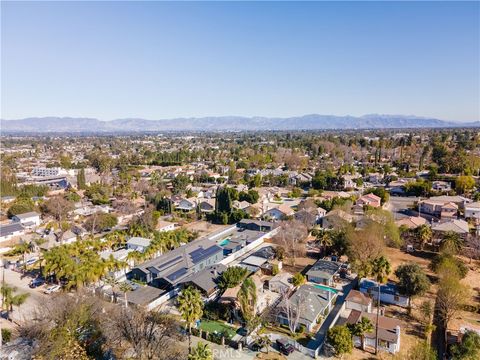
(225, 123)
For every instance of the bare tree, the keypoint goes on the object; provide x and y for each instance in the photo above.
(472, 248)
(151, 335)
(291, 308)
(292, 236)
(58, 207)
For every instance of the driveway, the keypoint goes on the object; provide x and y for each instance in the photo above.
(322, 332)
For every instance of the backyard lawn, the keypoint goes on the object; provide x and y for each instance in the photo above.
(218, 327)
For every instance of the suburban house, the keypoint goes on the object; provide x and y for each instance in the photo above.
(279, 213)
(241, 205)
(369, 200)
(165, 226)
(442, 186)
(434, 206)
(170, 269)
(281, 283)
(29, 219)
(313, 304)
(206, 280)
(449, 211)
(147, 297)
(119, 255)
(335, 217)
(138, 243)
(265, 297)
(186, 204)
(323, 272)
(411, 222)
(472, 211)
(11, 230)
(388, 292)
(207, 205)
(456, 225)
(357, 300)
(388, 331)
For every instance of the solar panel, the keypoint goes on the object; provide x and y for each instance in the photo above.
(175, 275)
(198, 256)
(168, 263)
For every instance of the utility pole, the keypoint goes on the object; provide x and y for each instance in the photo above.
(378, 315)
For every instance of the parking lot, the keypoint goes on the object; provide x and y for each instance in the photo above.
(21, 282)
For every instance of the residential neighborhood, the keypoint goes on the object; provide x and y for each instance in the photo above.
(281, 261)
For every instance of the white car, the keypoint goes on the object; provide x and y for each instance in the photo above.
(52, 289)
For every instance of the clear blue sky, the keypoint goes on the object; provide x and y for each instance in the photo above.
(160, 60)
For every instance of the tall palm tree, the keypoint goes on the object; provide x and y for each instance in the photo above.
(10, 299)
(190, 305)
(360, 328)
(125, 288)
(113, 283)
(247, 297)
(381, 268)
(201, 352)
(452, 242)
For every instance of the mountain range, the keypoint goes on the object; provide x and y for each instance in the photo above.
(224, 123)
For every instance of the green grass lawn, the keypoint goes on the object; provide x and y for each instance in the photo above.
(212, 326)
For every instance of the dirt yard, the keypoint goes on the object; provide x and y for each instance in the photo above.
(203, 228)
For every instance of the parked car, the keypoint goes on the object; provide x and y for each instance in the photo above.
(255, 346)
(285, 347)
(36, 283)
(31, 261)
(52, 289)
(242, 331)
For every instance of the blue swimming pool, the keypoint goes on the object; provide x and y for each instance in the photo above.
(326, 288)
(224, 242)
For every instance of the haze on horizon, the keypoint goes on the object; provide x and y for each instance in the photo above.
(160, 60)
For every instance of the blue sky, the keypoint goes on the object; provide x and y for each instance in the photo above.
(160, 60)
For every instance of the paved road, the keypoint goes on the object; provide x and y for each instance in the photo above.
(322, 332)
(400, 206)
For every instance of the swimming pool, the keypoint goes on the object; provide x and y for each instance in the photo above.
(326, 288)
(224, 242)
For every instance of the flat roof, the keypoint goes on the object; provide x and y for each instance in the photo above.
(254, 260)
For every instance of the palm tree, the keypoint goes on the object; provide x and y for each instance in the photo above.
(324, 239)
(451, 243)
(190, 304)
(10, 299)
(201, 352)
(113, 283)
(125, 287)
(380, 270)
(360, 328)
(247, 297)
(424, 233)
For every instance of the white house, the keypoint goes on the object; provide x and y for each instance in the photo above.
(11, 230)
(165, 226)
(388, 332)
(28, 219)
(388, 292)
(472, 211)
(359, 301)
(138, 243)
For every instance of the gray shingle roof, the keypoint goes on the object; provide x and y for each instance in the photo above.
(324, 269)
